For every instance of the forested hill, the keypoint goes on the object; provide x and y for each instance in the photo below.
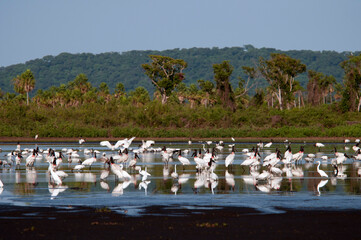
(113, 67)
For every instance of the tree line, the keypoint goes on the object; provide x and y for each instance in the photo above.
(167, 75)
(113, 67)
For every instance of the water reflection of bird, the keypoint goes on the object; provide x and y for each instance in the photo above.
(104, 185)
(230, 179)
(321, 184)
(174, 174)
(144, 185)
(174, 188)
(55, 190)
(165, 172)
(118, 190)
(183, 178)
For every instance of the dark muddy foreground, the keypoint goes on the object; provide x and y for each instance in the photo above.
(160, 223)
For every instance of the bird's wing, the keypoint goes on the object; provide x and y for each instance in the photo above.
(120, 143)
(149, 142)
(106, 144)
(129, 141)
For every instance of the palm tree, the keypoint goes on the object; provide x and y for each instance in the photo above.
(24, 83)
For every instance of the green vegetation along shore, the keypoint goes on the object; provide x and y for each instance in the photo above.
(173, 120)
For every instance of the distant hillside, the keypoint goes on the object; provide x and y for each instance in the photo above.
(113, 67)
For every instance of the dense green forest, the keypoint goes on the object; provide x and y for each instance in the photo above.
(125, 68)
(291, 100)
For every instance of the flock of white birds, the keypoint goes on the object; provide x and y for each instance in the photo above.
(121, 159)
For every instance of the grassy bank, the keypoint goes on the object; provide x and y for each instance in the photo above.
(170, 121)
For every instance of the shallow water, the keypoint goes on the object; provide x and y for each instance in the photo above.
(236, 186)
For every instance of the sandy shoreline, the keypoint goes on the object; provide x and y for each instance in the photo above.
(160, 223)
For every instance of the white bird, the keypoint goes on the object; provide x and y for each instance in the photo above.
(125, 173)
(321, 172)
(147, 144)
(287, 158)
(230, 158)
(298, 156)
(356, 147)
(319, 145)
(264, 175)
(31, 159)
(110, 146)
(311, 155)
(358, 156)
(122, 157)
(78, 167)
(233, 139)
(341, 158)
(253, 160)
(201, 163)
(1, 184)
(276, 171)
(89, 162)
(268, 144)
(55, 177)
(182, 159)
(81, 141)
(144, 174)
(116, 169)
(127, 142)
(133, 161)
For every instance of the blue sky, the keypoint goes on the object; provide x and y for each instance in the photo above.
(35, 28)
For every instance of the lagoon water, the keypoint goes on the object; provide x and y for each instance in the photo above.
(302, 188)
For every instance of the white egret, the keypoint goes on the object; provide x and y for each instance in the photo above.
(321, 172)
